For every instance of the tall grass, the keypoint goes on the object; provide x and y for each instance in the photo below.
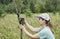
(9, 26)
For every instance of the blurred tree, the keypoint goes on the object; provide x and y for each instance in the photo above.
(9, 8)
(5, 1)
(51, 5)
(1, 10)
(34, 6)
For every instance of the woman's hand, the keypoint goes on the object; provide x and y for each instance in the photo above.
(21, 27)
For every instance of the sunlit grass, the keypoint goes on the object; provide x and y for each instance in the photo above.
(9, 26)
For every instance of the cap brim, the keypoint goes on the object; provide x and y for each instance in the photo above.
(38, 16)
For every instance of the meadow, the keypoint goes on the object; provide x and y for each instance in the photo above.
(9, 26)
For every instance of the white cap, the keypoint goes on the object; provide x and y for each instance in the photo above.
(44, 16)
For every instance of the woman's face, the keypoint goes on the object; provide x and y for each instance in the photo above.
(41, 21)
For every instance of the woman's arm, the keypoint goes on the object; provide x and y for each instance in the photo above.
(30, 35)
(31, 28)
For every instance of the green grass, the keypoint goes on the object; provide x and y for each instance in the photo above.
(9, 26)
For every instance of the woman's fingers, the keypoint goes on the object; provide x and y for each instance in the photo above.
(20, 27)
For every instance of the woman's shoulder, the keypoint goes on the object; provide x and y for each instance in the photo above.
(46, 29)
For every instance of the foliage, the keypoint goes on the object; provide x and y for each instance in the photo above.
(1, 10)
(10, 8)
(35, 6)
(5, 2)
(28, 13)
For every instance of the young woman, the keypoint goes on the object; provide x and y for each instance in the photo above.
(44, 32)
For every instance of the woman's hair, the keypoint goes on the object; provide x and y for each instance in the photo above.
(48, 23)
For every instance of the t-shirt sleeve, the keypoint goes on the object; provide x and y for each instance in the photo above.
(41, 34)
